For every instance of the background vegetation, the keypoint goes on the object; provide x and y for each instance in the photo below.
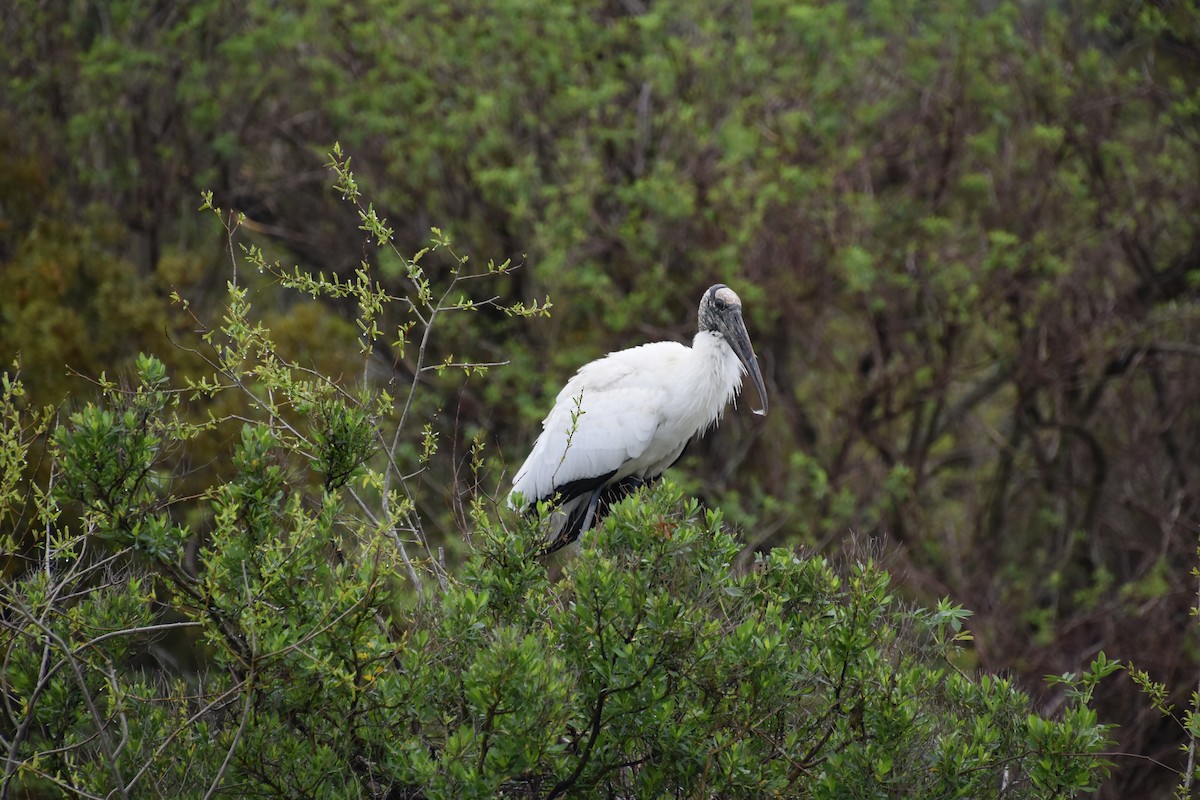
(967, 239)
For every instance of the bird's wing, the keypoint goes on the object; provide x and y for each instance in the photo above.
(604, 417)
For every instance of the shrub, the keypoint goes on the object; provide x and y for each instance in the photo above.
(652, 668)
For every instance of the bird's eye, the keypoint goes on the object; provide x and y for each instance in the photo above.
(719, 303)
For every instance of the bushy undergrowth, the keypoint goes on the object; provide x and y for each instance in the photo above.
(651, 668)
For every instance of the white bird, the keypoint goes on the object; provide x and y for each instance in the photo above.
(626, 417)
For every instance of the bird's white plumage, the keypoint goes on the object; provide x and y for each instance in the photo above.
(622, 420)
(632, 411)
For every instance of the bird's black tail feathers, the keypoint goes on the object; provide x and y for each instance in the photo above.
(588, 502)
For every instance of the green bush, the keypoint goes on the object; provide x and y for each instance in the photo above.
(651, 669)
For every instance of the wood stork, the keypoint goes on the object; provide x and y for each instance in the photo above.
(626, 417)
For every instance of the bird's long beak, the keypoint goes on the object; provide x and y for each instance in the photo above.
(739, 340)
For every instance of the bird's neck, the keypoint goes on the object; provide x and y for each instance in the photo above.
(717, 360)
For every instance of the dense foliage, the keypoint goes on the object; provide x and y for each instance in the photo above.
(653, 668)
(967, 238)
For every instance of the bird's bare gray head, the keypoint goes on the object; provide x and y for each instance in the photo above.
(721, 313)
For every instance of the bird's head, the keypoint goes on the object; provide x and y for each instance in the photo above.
(721, 313)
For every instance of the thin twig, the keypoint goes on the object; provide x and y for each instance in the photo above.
(1191, 751)
(89, 701)
(185, 726)
(237, 736)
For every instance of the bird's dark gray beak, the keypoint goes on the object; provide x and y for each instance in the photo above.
(739, 339)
